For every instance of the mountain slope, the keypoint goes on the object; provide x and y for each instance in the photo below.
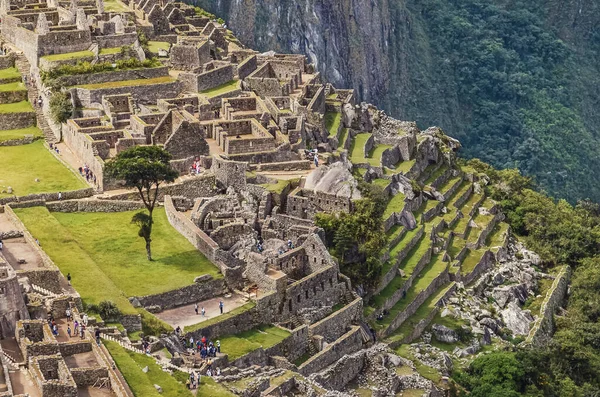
(518, 82)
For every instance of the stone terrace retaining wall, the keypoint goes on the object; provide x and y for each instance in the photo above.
(465, 196)
(543, 327)
(487, 262)
(190, 231)
(350, 342)
(88, 376)
(196, 292)
(335, 325)
(146, 94)
(489, 228)
(337, 376)
(244, 321)
(410, 310)
(94, 206)
(26, 140)
(191, 188)
(40, 198)
(75, 347)
(13, 121)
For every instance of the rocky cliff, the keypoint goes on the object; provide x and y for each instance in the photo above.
(517, 81)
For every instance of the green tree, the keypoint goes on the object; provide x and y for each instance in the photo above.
(143, 168)
(61, 107)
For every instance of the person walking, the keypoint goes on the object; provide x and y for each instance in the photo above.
(97, 334)
(85, 319)
(68, 274)
(218, 346)
(196, 308)
(221, 304)
(59, 196)
(1, 245)
(68, 314)
(69, 330)
(203, 311)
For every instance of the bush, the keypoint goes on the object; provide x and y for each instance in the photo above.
(61, 107)
(152, 325)
(109, 311)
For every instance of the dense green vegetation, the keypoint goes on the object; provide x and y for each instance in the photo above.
(560, 233)
(516, 87)
(357, 238)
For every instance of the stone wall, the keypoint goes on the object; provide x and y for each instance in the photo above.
(246, 67)
(7, 61)
(144, 94)
(350, 342)
(190, 231)
(116, 40)
(85, 377)
(12, 121)
(196, 292)
(203, 185)
(487, 262)
(335, 325)
(94, 206)
(241, 322)
(463, 199)
(543, 327)
(13, 96)
(46, 278)
(41, 198)
(75, 347)
(132, 322)
(337, 376)
(26, 140)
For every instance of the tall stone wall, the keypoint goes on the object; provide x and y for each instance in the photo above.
(543, 327)
(117, 75)
(350, 342)
(196, 292)
(335, 325)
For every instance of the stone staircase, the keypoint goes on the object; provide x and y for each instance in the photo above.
(24, 68)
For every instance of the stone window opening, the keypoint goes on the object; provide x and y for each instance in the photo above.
(290, 305)
(330, 282)
(306, 294)
(322, 286)
(298, 298)
(314, 290)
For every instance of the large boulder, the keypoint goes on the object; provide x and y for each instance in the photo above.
(510, 293)
(517, 320)
(444, 334)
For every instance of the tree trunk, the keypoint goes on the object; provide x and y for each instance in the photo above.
(148, 251)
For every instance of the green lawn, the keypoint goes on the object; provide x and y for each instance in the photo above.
(375, 155)
(10, 73)
(395, 250)
(115, 6)
(142, 383)
(21, 165)
(458, 193)
(332, 122)
(343, 138)
(7, 135)
(222, 89)
(406, 166)
(128, 83)
(440, 171)
(16, 107)
(110, 51)
(471, 260)
(16, 86)
(69, 55)
(110, 262)
(236, 346)
(449, 183)
(154, 46)
(357, 151)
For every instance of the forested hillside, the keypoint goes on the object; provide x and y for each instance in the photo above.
(518, 82)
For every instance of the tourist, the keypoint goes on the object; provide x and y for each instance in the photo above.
(290, 244)
(178, 330)
(221, 305)
(192, 342)
(203, 311)
(82, 331)
(1, 245)
(85, 319)
(204, 340)
(208, 372)
(68, 313)
(218, 346)
(59, 196)
(68, 274)
(316, 157)
(40, 101)
(55, 329)
(196, 308)
(198, 378)
(69, 330)
(188, 384)
(80, 168)
(97, 334)
(218, 371)
(76, 327)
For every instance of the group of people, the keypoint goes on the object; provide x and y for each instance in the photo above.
(54, 147)
(196, 167)
(203, 346)
(195, 378)
(89, 175)
(203, 311)
(78, 327)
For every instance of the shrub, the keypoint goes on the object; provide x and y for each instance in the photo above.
(61, 107)
(109, 311)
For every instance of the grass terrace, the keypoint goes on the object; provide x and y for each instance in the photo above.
(459, 193)
(471, 260)
(343, 138)
(222, 89)
(10, 74)
(16, 107)
(332, 122)
(21, 165)
(69, 55)
(15, 86)
(110, 51)
(395, 250)
(496, 237)
(395, 205)
(233, 313)
(429, 273)
(238, 345)
(278, 187)
(107, 259)
(439, 172)
(154, 46)
(8, 135)
(130, 364)
(115, 6)
(128, 83)
(357, 149)
(405, 166)
(422, 312)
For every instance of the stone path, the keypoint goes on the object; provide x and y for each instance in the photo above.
(185, 316)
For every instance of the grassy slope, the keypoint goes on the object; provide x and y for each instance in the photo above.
(235, 346)
(20, 165)
(128, 83)
(222, 89)
(69, 55)
(107, 259)
(7, 135)
(16, 107)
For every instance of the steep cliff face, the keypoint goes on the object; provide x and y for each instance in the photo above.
(517, 81)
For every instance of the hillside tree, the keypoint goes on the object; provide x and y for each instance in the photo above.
(144, 168)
